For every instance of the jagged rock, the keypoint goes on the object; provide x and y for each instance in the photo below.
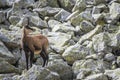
(99, 8)
(11, 38)
(5, 67)
(65, 27)
(118, 60)
(23, 3)
(52, 3)
(90, 34)
(99, 76)
(62, 68)
(96, 66)
(77, 19)
(4, 26)
(5, 54)
(5, 3)
(94, 2)
(54, 56)
(84, 73)
(113, 74)
(115, 39)
(53, 23)
(7, 76)
(62, 15)
(47, 11)
(63, 38)
(109, 57)
(114, 10)
(75, 52)
(86, 26)
(2, 16)
(79, 5)
(100, 42)
(37, 73)
(14, 19)
(35, 20)
(66, 4)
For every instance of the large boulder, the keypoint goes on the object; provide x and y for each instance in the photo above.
(37, 73)
(63, 38)
(114, 10)
(47, 11)
(66, 4)
(62, 15)
(90, 34)
(2, 16)
(65, 27)
(75, 52)
(96, 66)
(113, 74)
(99, 76)
(79, 5)
(11, 38)
(100, 42)
(62, 68)
(5, 67)
(5, 54)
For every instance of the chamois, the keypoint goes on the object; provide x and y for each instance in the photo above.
(34, 43)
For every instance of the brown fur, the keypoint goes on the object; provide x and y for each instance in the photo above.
(34, 44)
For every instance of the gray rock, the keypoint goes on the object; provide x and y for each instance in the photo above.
(5, 54)
(109, 57)
(79, 5)
(113, 74)
(5, 67)
(115, 39)
(99, 76)
(5, 3)
(100, 42)
(86, 26)
(118, 60)
(83, 73)
(62, 68)
(65, 27)
(97, 9)
(90, 34)
(7, 76)
(75, 52)
(11, 38)
(96, 66)
(114, 10)
(52, 3)
(53, 23)
(14, 19)
(62, 15)
(37, 73)
(47, 11)
(94, 2)
(2, 16)
(77, 19)
(63, 38)
(66, 4)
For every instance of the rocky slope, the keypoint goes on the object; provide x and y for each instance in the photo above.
(84, 36)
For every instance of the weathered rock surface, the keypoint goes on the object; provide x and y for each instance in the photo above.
(84, 39)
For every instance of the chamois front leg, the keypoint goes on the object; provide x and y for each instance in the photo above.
(26, 55)
(32, 49)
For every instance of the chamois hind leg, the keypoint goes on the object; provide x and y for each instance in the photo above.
(31, 58)
(46, 55)
(43, 57)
